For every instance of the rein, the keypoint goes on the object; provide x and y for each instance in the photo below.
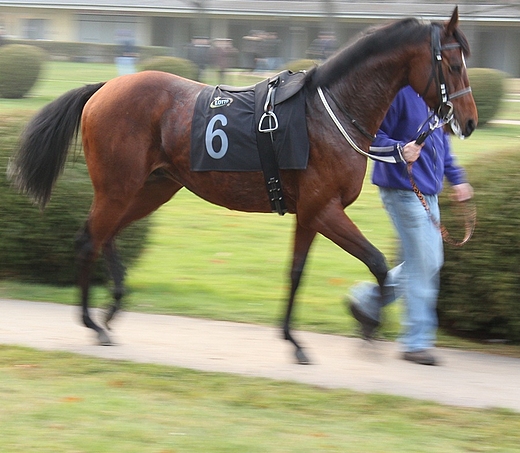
(338, 124)
(352, 120)
(383, 158)
(469, 212)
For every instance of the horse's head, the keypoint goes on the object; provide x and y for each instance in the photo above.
(442, 79)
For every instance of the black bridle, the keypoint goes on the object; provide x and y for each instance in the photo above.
(445, 110)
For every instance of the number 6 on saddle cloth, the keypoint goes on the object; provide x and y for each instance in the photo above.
(257, 128)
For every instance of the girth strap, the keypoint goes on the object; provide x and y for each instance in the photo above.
(267, 123)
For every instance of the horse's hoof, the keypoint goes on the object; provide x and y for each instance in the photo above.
(301, 358)
(104, 339)
(367, 325)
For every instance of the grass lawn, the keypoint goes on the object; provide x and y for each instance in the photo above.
(58, 402)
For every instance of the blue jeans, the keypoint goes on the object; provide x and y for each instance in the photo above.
(417, 279)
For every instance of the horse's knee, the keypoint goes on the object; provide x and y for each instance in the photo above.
(379, 268)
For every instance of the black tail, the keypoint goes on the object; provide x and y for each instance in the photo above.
(45, 142)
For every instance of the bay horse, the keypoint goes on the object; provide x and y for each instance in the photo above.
(136, 139)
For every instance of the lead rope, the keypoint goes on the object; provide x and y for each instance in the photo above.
(468, 207)
(469, 211)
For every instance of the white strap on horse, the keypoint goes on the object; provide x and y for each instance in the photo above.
(380, 150)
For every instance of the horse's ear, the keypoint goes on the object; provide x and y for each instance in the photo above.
(454, 21)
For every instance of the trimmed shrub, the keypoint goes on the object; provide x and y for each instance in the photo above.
(488, 87)
(480, 282)
(39, 246)
(89, 51)
(299, 65)
(20, 67)
(173, 65)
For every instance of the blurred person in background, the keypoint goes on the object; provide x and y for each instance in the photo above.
(198, 53)
(3, 39)
(223, 56)
(127, 58)
(323, 46)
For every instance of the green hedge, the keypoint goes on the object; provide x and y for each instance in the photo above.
(39, 246)
(480, 284)
(84, 51)
(488, 87)
(173, 65)
(299, 65)
(20, 67)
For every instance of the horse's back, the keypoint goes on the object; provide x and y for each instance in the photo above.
(142, 94)
(136, 104)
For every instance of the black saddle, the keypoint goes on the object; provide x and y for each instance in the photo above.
(259, 127)
(287, 84)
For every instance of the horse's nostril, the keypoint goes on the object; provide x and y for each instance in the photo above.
(470, 127)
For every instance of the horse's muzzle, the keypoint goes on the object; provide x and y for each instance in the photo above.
(471, 125)
(463, 132)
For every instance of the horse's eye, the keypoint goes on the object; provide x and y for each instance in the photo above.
(457, 68)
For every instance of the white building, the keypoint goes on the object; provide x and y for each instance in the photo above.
(492, 28)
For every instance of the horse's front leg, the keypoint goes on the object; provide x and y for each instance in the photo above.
(334, 224)
(302, 241)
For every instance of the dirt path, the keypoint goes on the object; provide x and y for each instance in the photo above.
(463, 379)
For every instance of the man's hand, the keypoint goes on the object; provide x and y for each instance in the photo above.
(462, 192)
(411, 152)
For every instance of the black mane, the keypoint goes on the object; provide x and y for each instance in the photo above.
(374, 41)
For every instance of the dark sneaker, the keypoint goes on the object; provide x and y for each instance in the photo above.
(368, 325)
(421, 357)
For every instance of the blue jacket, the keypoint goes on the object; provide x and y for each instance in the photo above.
(400, 126)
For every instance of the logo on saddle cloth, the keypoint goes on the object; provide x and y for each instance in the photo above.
(220, 102)
(225, 124)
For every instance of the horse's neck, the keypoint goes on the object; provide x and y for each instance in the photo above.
(367, 94)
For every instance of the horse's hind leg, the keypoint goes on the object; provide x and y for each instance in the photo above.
(99, 230)
(108, 217)
(86, 255)
(116, 270)
(154, 193)
(302, 242)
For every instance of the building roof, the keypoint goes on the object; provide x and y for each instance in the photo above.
(504, 11)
